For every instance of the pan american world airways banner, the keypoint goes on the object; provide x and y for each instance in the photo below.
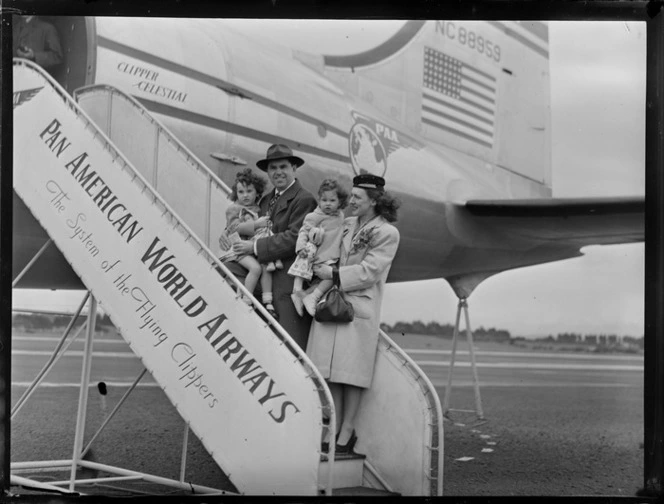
(234, 383)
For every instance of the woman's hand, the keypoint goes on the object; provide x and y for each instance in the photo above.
(303, 253)
(323, 271)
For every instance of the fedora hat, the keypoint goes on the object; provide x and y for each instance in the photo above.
(279, 151)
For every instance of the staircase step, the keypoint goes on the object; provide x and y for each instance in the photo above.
(348, 470)
(349, 456)
(363, 491)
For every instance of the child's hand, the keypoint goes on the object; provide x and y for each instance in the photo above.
(316, 235)
(261, 222)
(303, 253)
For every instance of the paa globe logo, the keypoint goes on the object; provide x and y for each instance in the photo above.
(370, 145)
(367, 153)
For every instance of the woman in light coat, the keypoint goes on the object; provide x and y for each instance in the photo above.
(345, 353)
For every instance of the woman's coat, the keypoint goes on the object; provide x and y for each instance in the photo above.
(345, 353)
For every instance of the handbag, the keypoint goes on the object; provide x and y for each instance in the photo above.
(334, 307)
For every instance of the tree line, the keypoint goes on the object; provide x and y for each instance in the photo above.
(594, 339)
(446, 331)
(503, 336)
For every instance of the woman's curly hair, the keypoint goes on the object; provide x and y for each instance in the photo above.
(334, 185)
(248, 177)
(386, 204)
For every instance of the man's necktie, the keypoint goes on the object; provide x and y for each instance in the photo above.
(272, 204)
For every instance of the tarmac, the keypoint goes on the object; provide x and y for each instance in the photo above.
(555, 423)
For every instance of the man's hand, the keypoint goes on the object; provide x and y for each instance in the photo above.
(225, 242)
(323, 271)
(26, 52)
(244, 247)
(261, 222)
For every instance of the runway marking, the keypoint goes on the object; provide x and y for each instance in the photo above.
(487, 450)
(442, 384)
(465, 459)
(78, 353)
(485, 436)
(54, 340)
(491, 443)
(92, 385)
(531, 365)
(556, 355)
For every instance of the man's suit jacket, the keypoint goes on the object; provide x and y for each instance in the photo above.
(287, 218)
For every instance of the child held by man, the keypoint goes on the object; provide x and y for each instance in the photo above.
(243, 221)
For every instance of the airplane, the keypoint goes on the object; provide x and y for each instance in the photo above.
(454, 114)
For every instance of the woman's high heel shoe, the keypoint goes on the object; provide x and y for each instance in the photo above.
(348, 447)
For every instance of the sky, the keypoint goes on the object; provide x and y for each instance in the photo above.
(598, 149)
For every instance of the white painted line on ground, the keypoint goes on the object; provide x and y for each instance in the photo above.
(78, 353)
(460, 424)
(464, 459)
(512, 384)
(553, 355)
(487, 450)
(485, 436)
(529, 365)
(92, 385)
(475, 431)
(55, 340)
(491, 443)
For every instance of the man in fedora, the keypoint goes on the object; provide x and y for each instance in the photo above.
(286, 206)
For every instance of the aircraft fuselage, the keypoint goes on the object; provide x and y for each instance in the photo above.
(228, 98)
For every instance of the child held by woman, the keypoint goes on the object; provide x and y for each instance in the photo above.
(318, 242)
(243, 222)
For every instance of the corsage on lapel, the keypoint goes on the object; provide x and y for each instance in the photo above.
(363, 239)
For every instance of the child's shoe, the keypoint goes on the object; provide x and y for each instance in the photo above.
(278, 264)
(270, 309)
(270, 267)
(297, 302)
(310, 301)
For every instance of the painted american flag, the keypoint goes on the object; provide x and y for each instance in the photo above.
(458, 98)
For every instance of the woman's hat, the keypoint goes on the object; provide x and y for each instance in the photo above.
(279, 151)
(368, 181)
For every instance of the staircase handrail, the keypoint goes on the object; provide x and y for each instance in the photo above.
(193, 160)
(436, 443)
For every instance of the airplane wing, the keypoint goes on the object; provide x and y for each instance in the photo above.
(565, 221)
(497, 235)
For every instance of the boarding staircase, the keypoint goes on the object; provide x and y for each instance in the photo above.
(137, 215)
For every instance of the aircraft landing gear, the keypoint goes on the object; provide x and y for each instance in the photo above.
(463, 304)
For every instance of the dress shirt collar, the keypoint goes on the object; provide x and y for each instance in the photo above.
(277, 194)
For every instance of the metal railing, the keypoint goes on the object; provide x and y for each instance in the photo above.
(155, 161)
(436, 439)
